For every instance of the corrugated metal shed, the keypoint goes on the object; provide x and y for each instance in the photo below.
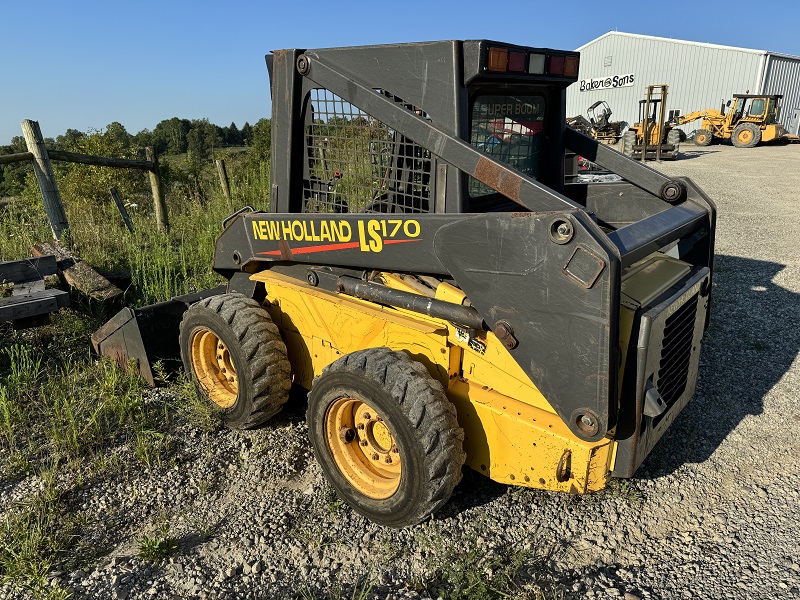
(699, 75)
(782, 76)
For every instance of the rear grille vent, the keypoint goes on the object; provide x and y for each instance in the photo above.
(676, 352)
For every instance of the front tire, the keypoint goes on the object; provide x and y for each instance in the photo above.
(386, 436)
(235, 355)
(703, 137)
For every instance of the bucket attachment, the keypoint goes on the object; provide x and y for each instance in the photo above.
(141, 336)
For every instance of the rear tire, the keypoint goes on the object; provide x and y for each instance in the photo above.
(628, 142)
(703, 137)
(235, 355)
(386, 436)
(746, 135)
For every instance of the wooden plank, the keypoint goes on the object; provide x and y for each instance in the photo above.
(12, 158)
(100, 161)
(27, 269)
(45, 178)
(78, 274)
(30, 305)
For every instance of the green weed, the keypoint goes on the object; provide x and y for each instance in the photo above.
(464, 568)
(34, 536)
(624, 490)
(197, 411)
(153, 548)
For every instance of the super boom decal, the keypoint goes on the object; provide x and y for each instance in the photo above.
(368, 235)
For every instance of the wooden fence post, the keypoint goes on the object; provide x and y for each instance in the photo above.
(121, 208)
(223, 180)
(162, 219)
(45, 178)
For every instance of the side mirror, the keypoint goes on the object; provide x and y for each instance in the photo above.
(728, 104)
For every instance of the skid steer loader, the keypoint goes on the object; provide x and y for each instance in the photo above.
(446, 299)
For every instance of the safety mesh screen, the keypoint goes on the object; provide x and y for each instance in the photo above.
(356, 163)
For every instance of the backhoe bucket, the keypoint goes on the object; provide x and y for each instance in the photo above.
(139, 337)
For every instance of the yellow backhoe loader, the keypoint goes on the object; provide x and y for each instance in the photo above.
(751, 119)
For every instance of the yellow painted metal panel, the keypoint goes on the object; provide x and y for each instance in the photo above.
(514, 443)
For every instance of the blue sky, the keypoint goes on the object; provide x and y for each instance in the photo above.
(82, 64)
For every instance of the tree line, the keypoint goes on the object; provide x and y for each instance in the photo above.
(199, 139)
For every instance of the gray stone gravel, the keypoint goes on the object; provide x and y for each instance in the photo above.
(711, 514)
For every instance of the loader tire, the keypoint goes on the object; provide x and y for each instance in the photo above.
(674, 138)
(703, 137)
(235, 355)
(746, 135)
(628, 142)
(386, 436)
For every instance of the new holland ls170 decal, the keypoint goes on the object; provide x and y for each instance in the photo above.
(370, 235)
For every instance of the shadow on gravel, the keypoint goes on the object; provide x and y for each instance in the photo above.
(753, 340)
(690, 154)
(293, 412)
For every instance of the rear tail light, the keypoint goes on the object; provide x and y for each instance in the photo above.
(556, 66)
(505, 60)
(498, 60)
(516, 62)
(571, 66)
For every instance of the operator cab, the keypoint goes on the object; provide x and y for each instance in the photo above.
(515, 97)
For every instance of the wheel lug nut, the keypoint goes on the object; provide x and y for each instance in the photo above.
(363, 442)
(367, 416)
(361, 426)
(395, 450)
(224, 370)
(388, 460)
(374, 457)
(219, 356)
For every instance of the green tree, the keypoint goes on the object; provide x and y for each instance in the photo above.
(12, 175)
(247, 134)
(90, 183)
(233, 137)
(69, 139)
(170, 136)
(143, 139)
(261, 141)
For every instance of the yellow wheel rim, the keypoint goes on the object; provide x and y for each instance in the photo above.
(363, 447)
(745, 135)
(214, 368)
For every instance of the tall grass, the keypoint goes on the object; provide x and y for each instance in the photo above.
(161, 264)
(60, 407)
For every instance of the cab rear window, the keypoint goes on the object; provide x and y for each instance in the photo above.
(509, 129)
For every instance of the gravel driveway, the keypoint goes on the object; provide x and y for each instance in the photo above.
(712, 513)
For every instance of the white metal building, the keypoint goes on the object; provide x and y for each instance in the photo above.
(616, 67)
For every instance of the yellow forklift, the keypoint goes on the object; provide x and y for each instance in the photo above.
(652, 137)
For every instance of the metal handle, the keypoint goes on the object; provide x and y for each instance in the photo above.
(228, 219)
